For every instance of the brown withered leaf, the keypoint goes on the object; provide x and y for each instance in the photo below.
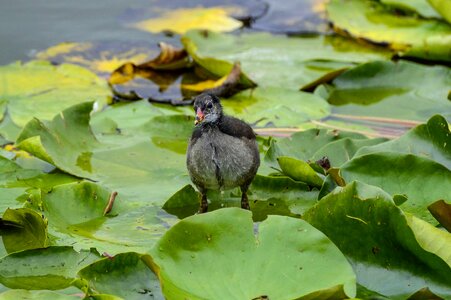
(169, 59)
(442, 213)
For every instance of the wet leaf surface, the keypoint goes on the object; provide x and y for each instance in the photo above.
(386, 89)
(125, 275)
(404, 253)
(49, 89)
(403, 174)
(407, 34)
(297, 61)
(193, 242)
(51, 268)
(112, 180)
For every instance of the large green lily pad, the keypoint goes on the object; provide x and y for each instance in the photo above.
(401, 90)
(408, 34)
(430, 140)
(122, 160)
(304, 145)
(276, 107)
(51, 268)
(249, 262)
(125, 275)
(421, 180)
(268, 195)
(276, 61)
(40, 89)
(76, 216)
(392, 253)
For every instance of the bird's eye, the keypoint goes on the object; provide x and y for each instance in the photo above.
(209, 105)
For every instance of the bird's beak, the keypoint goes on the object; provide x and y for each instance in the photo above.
(199, 116)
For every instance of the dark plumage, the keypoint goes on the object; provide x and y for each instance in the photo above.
(222, 152)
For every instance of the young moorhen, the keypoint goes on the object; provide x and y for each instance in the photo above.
(222, 153)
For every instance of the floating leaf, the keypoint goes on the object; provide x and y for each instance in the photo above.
(401, 90)
(443, 7)
(23, 229)
(48, 89)
(169, 58)
(276, 107)
(296, 61)
(299, 170)
(249, 266)
(403, 174)
(183, 19)
(70, 143)
(36, 295)
(76, 217)
(340, 151)
(51, 268)
(102, 57)
(407, 34)
(303, 145)
(392, 253)
(268, 195)
(421, 7)
(125, 275)
(430, 140)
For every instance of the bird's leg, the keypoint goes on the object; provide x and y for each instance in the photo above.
(244, 200)
(203, 203)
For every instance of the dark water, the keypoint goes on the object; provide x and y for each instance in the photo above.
(27, 26)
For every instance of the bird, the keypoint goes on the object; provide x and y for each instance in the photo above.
(222, 153)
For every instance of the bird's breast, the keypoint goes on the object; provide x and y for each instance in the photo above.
(221, 161)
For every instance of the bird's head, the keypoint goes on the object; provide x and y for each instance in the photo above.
(208, 109)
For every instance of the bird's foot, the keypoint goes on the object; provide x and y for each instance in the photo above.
(245, 204)
(203, 208)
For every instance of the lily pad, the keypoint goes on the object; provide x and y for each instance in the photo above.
(276, 61)
(51, 268)
(421, 7)
(392, 253)
(36, 295)
(340, 151)
(71, 145)
(276, 107)
(23, 229)
(443, 7)
(249, 265)
(304, 145)
(421, 180)
(430, 140)
(401, 90)
(125, 275)
(408, 34)
(299, 170)
(268, 195)
(183, 19)
(103, 57)
(77, 216)
(40, 89)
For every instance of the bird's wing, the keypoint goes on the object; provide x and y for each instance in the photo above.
(235, 127)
